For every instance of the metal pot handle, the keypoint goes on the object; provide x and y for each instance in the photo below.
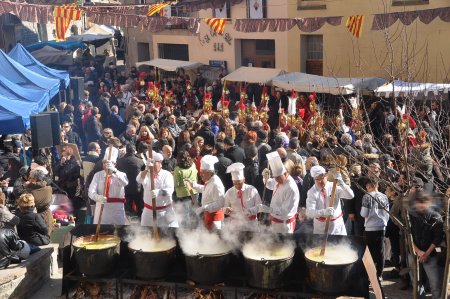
(199, 256)
(266, 262)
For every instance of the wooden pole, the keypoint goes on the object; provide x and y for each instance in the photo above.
(97, 231)
(152, 187)
(328, 220)
(447, 233)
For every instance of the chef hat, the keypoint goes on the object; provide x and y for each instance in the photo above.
(317, 170)
(207, 162)
(275, 163)
(157, 157)
(114, 154)
(237, 171)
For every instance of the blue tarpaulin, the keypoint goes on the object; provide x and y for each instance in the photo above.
(15, 115)
(13, 91)
(21, 55)
(67, 45)
(24, 77)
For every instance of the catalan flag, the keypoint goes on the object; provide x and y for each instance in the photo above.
(217, 24)
(156, 8)
(63, 15)
(355, 25)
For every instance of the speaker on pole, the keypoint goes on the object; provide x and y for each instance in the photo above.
(41, 125)
(77, 84)
(56, 128)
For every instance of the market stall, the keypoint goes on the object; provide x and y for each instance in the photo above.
(253, 75)
(398, 88)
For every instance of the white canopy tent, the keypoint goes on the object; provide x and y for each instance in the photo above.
(171, 65)
(303, 82)
(411, 88)
(253, 75)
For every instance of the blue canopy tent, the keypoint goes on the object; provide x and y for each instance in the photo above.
(67, 45)
(14, 91)
(21, 55)
(15, 115)
(24, 77)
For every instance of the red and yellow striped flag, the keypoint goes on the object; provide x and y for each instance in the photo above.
(156, 8)
(217, 24)
(355, 25)
(63, 15)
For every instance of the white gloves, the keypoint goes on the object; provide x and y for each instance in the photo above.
(99, 198)
(266, 174)
(110, 166)
(154, 193)
(326, 212)
(188, 181)
(199, 210)
(264, 209)
(338, 178)
(149, 163)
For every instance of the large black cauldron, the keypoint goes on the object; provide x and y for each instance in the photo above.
(151, 265)
(267, 274)
(96, 261)
(208, 269)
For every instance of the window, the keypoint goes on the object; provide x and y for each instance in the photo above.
(143, 52)
(265, 47)
(256, 9)
(312, 54)
(314, 47)
(224, 12)
(258, 53)
(409, 2)
(173, 51)
(311, 4)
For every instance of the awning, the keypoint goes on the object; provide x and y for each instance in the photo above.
(51, 56)
(66, 45)
(411, 88)
(94, 39)
(171, 65)
(302, 82)
(253, 75)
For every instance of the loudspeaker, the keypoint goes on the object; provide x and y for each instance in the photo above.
(41, 125)
(77, 85)
(56, 128)
(45, 129)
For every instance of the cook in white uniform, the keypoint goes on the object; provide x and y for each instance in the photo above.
(114, 196)
(318, 202)
(212, 190)
(241, 201)
(164, 187)
(285, 198)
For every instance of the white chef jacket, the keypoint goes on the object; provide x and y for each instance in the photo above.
(315, 201)
(165, 213)
(114, 212)
(244, 213)
(211, 191)
(284, 204)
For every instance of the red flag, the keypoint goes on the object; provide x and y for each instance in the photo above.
(217, 24)
(355, 25)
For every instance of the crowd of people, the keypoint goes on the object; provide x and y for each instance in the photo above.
(231, 154)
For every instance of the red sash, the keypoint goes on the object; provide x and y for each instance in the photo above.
(323, 219)
(209, 218)
(157, 208)
(115, 200)
(276, 220)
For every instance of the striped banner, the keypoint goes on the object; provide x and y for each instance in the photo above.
(217, 24)
(355, 25)
(63, 15)
(156, 8)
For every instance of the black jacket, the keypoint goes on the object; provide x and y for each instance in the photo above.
(117, 124)
(9, 245)
(207, 135)
(221, 171)
(68, 175)
(426, 229)
(32, 228)
(169, 164)
(253, 175)
(73, 137)
(131, 165)
(308, 182)
(235, 154)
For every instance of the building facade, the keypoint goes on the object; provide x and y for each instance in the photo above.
(414, 52)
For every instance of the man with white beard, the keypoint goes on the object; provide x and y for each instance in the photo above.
(285, 196)
(318, 202)
(212, 190)
(241, 201)
(164, 187)
(113, 198)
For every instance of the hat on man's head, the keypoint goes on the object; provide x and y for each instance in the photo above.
(317, 170)
(114, 154)
(207, 162)
(237, 171)
(275, 163)
(157, 157)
